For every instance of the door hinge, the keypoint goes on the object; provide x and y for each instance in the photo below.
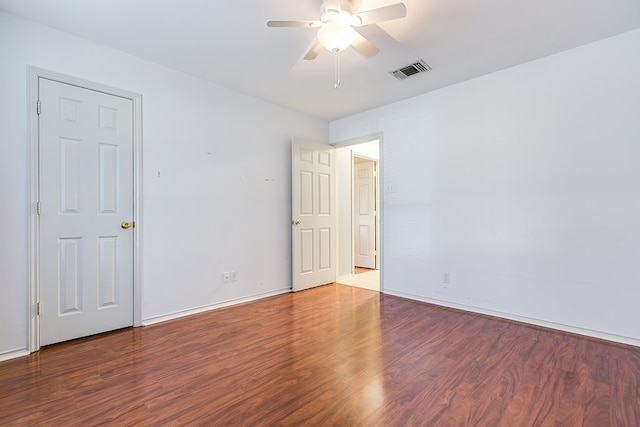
(38, 107)
(38, 208)
(38, 308)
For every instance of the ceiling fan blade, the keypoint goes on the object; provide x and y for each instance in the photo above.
(314, 51)
(364, 46)
(294, 24)
(386, 13)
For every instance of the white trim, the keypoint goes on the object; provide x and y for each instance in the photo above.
(528, 320)
(209, 307)
(380, 174)
(13, 354)
(34, 74)
(33, 338)
(359, 140)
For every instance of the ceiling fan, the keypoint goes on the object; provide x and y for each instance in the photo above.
(336, 26)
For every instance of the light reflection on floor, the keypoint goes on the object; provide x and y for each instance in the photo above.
(368, 280)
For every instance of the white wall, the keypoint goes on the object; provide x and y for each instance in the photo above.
(524, 186)
(222, 201)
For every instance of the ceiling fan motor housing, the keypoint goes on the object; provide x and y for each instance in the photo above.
(328, 14)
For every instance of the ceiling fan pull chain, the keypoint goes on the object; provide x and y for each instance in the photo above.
(337, 70)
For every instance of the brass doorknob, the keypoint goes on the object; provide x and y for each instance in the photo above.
(125, 224)
(296, 222)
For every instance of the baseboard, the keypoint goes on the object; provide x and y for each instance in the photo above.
(209, 307)
(13, 354)
(528, 320)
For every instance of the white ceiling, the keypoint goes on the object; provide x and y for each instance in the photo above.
(229, 43)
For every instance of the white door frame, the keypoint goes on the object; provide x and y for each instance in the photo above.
(368, 138)
(34, 75)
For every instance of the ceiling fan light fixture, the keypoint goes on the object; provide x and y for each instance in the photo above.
(336, 36)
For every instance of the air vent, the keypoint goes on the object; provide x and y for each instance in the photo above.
(410, 70)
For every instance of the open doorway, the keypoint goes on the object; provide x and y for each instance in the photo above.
(357, 177)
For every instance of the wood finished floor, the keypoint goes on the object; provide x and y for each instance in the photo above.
(334, 355)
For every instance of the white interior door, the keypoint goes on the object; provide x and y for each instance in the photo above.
(364, 215)
(86, 201)
(313, 214)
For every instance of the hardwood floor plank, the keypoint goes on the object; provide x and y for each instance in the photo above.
(336, 356)
(625, 387)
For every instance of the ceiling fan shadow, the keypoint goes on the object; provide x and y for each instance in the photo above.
(378, 36)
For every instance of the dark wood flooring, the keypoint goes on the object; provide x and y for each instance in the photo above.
(330, 356)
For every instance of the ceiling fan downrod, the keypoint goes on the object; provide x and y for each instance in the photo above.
(336, 75)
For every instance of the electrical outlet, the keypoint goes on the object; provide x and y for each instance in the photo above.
(229, 276)
(446, 277)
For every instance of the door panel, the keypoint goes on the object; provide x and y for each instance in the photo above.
(306, 251)
(313, 214)
(70, 267)
(86, 192)
(325, 249)
(107, 278)
(108, 175)
(324, 194)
